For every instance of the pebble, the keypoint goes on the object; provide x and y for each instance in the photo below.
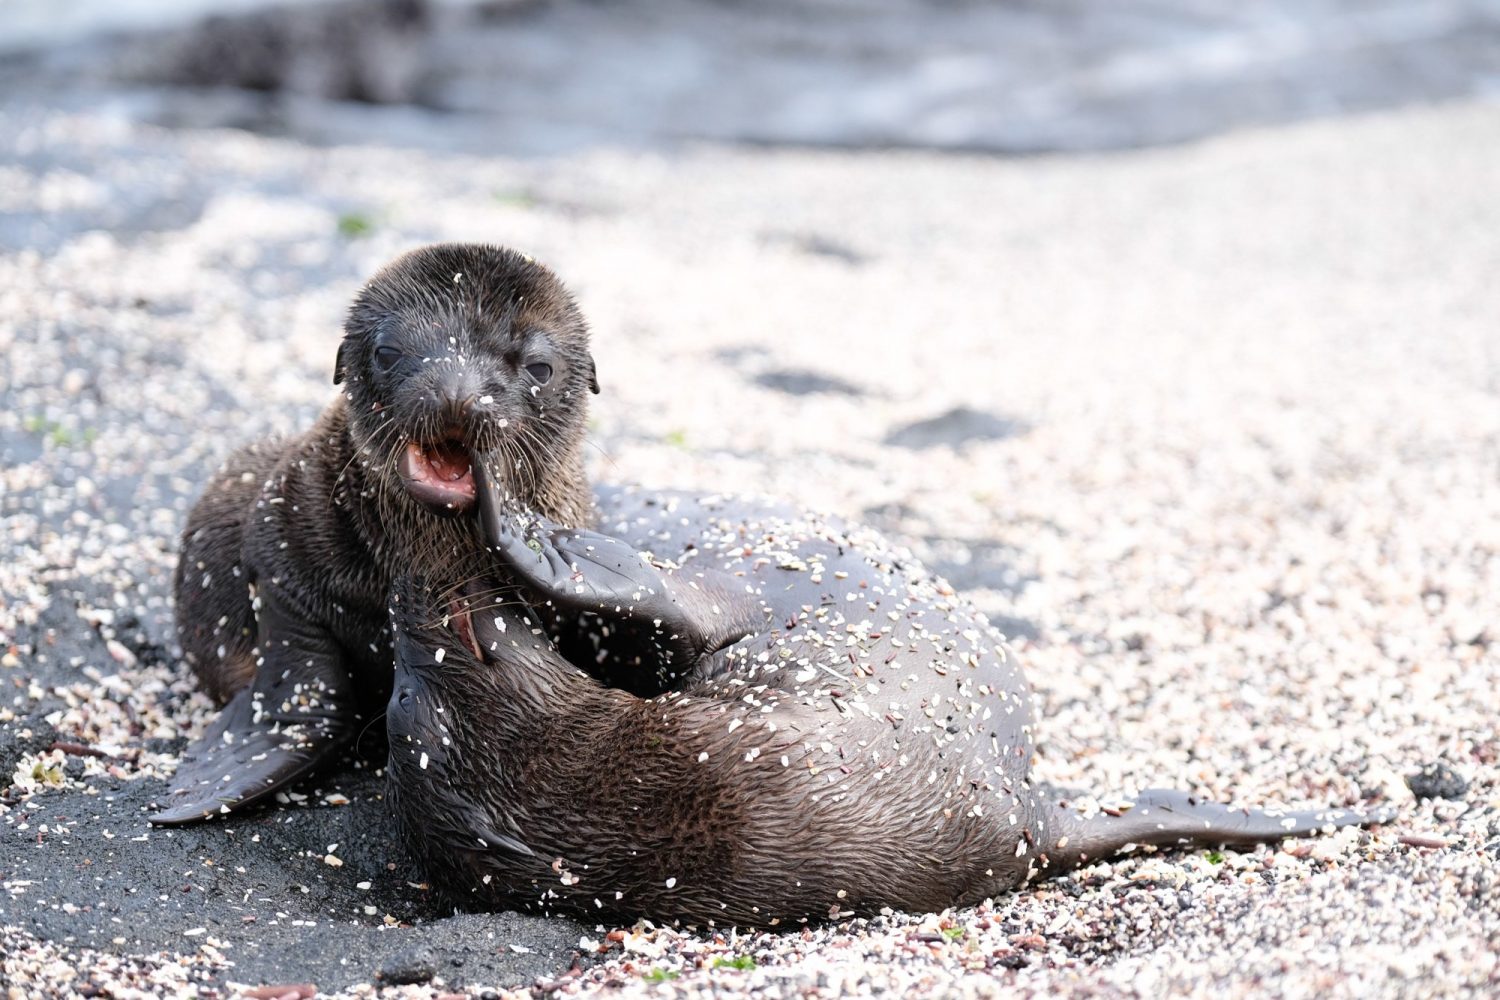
(1437, 781)
(415, 966)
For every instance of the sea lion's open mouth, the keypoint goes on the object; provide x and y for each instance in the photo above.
(439, 475)
(458, 614)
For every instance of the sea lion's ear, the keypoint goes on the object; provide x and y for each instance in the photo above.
(338, 364)
(593, 376)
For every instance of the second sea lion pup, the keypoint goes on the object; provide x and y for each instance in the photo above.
(832, 730)
(452, 355)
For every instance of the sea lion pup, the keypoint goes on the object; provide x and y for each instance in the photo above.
(839, 732)
(452, 354)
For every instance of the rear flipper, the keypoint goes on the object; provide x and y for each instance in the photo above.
(297, 712)
(1167, 818)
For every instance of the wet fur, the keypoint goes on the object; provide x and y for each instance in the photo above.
(866, 743)
(323, 518)
(606, 788)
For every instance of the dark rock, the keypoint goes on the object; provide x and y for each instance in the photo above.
(957, 426)
(18, 447)
(1010, 626)
(366, 52)
(743, 72)
(801, 382)
(892, 518)
(974, 563)
(816, 245)
(414, 965)
(1437, 781)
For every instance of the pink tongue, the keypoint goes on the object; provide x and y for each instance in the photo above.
(447, 462)
(460, 616)
(440, 477)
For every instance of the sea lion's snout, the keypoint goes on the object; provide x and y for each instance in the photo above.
(462, 620)
(414, 718)
(451, 637)
(416, 724)
(433, 631)
(452, 416)
(447, 408)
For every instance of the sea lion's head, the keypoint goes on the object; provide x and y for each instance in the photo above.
(460, 353)
(441, 664)
(451, 704)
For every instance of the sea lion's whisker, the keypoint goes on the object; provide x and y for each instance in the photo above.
(600, 449)
(452, 591)
(365, 731)
(439, 621)
(386, 430)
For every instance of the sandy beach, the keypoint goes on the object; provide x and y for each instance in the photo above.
(1211, 431)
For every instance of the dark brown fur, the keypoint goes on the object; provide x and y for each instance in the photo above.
(863, 739)
(316, 527)
(323, 518)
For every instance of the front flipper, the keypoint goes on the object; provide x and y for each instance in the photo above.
(297, 711)
(1167, 818)
(683, 616)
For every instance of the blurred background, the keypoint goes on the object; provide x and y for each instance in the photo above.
(548, 76)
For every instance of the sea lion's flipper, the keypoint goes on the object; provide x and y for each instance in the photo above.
(295, 714)
(239, 760)
(502, 842)
(578, 571)
(1168, 818)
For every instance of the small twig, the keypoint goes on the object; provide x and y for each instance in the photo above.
(79, 750)
(295, 991)
(1414, 840)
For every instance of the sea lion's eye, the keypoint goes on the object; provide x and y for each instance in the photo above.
(386, 356)
(540, 371)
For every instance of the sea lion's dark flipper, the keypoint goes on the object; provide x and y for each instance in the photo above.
(575, 570)
(1167, 818)
(296, 713)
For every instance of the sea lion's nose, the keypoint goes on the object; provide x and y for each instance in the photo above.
(456, 393)
(455, 409)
